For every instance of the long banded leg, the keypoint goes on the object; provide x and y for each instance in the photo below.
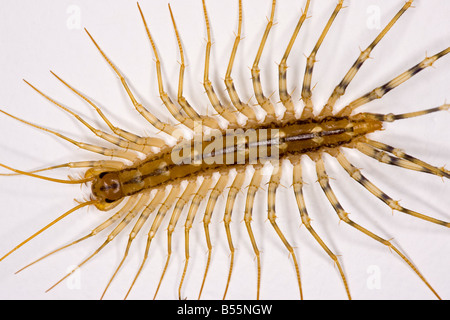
(123, 223)
(311, 60)
(224, 112)
(125, 144)
(242, 107)
(263, 101)
(176, 112)
(390, 117)
(196, 200)
(379, 92)
(306, 220)
(364, 55)
(149, 141)
(440, 172)
(205, 120)
(285, 97)
(271, 195)
(125, 209)
(215, 193)
(124, 154)
(325, 184)
(165, 206)
(400, 159)
(232, 193)
(156, 201)
(252, 188)
(179, 205)
(154, 121)
(356, 174)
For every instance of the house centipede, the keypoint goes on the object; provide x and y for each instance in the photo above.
(252, 37)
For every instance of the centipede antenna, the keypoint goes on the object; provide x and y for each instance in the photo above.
(81, 205)
(79, 181)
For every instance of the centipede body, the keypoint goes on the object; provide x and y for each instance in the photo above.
(416, 34)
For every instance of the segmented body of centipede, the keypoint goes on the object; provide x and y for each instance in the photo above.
(214, 166)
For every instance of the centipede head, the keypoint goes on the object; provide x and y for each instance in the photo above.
(107, 190)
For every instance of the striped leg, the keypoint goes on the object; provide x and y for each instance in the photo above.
(154, 121)
(355, 173)
(196, 200)
(224, 112)
(215, 193)
(205, 120)
(379, 92)
(232, 193)
(176, 113)
(399, 158)
(263, 101)
(364, 55)
(179, 205)
(165, 206)
(149, 141)
(124, 154)
(390, 117)
(242, 107)
(311, 60)
(125, 221)
(157, 199)
(285, 97)
(125, 209)
(306, 220)
(252, 188)
(325, 184)
(124, 144)
(271, 195)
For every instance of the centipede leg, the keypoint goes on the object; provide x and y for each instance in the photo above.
(364, 55)
(154, 121)
(379, 92)
(232, 193)
(398, 158)
(224, 112)
(215, 193)
(263, 101)
(205, 120)
(123, 223)
(242, 107)
(285, 97)
(272, 189)
(311, 60)
(355, 173)
(125, 209)
(325, 185)
(196, 200)
(252, 188)
(306, 221)
(125, 144)
(182, 201)
(149, 208)
(149, 141)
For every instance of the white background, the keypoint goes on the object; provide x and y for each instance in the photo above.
(36, 37)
